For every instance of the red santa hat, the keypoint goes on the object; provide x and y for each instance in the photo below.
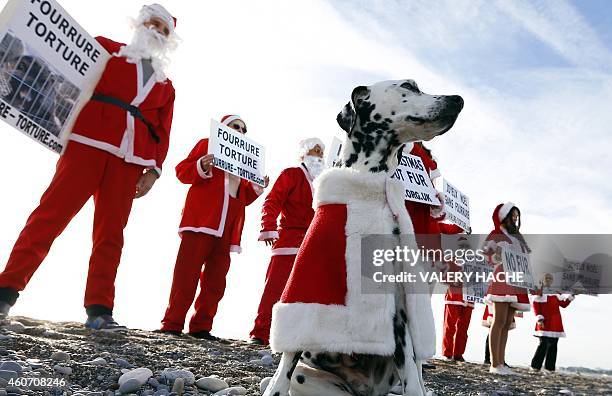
(229, 118)
(308, 144)
(504, 209)
(159, 11)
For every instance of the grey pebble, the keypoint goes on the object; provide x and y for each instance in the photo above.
(60, 356)
(131, 385)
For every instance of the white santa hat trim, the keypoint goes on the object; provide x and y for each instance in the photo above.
(505, 209)
(159, 11)
(308, 144)
(228, 119)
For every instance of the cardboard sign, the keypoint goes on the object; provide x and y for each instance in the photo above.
(49, 67)
(518, 263)
(333, 153)
(476, 290)
(236, 154)
(457, 206)
(417, 184)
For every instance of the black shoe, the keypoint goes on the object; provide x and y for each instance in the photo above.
(428, 366)
(169, 332)
(204, 335)
(257, 341)
(458, 359)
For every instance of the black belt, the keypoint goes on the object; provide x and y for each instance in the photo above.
(133, 110)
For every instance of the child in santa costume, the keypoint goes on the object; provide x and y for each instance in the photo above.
(457, 316)
(291, 198)
(117, 146)
(504, 298)
(210, 228)
(549, 326)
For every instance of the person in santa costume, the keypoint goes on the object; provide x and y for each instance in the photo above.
(291, 198)
(549, 325)
(504, 298)
(115, 154)
(457, 316)
(210, 228)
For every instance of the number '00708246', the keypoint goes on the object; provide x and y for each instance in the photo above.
(38, 382)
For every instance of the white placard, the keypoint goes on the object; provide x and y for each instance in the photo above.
(333, 153)
(517, 264)
(457, 206)
(475, 290)
(49, 67)
(417, 184)
(236, 154)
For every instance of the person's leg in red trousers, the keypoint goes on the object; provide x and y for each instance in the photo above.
(277, 275)
(78, 174)
(461, 335)
(195, 247)
(113, 203)
(451, 316)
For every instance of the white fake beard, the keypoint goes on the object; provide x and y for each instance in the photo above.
(315, 165)
(148, 43)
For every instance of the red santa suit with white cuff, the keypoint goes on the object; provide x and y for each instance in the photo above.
(291, 197)
(210, 228)
(457, 316)
(501, 291)
(546, 309)
(108, 151)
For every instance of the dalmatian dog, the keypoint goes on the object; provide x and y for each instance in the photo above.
(379, 120)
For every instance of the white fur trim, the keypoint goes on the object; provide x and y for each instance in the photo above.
(287, 251)
(540, 299)
(231, 118)
(235, 249)
(268, 235)
(461, 303)
(492, 298)
(539, 318)
(159, 11)
(565, 297)
(308, 144)
(434, 173)
(203, 174)
(211, 231)
(504, 210)
(365, 323)
(553, 334)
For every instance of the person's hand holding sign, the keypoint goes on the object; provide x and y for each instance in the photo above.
(206, 162)
(145, 183)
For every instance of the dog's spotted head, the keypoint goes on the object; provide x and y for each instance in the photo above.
(382, 117)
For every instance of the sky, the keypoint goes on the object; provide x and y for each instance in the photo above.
(537, 85)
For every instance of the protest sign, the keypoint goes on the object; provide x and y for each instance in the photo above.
(236, 154)
(49, 67)
(518, 269)
(333, 153)
(417, 184)
(475, 290)
(457, 206)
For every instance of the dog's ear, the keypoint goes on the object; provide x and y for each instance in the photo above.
(346, 117)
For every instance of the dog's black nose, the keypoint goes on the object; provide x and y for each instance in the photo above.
(456, 100)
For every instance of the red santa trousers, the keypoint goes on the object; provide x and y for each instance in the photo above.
(277, 275)
(456, 323)
(81, 172)
(199, 249)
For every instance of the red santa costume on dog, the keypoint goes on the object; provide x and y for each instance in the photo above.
(291, 198)
(109, 149)
(499, 237)
(322, 307)
(210, 228)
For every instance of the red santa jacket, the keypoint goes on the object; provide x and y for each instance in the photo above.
(208, 197)
(546, 309)
(112, 129)
(291, 197)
